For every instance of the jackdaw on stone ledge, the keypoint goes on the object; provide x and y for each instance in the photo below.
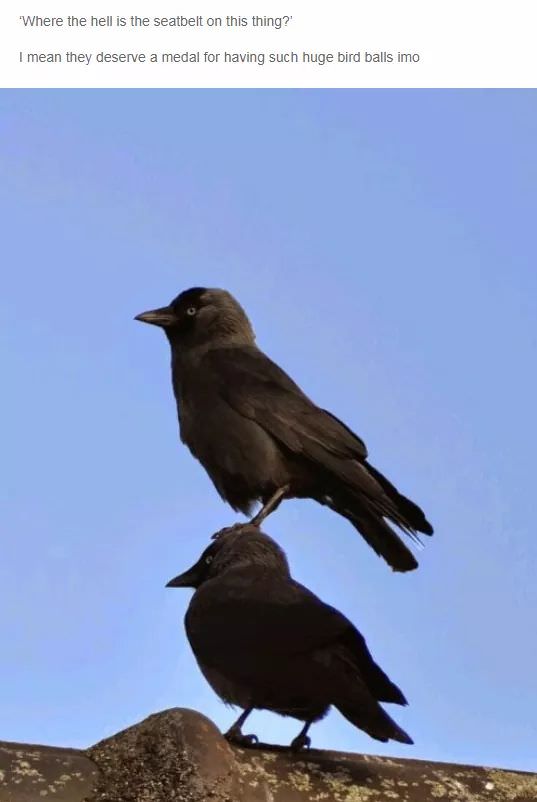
(263, 641)
(260, 438)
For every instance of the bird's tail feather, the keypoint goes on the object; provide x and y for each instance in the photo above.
(355, 698)
(375, 721)
(374, 529)
(410, 513)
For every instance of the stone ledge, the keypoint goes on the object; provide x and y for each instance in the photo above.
(37, 773)
(180, 756)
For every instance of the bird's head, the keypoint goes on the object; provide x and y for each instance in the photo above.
(202, 316)
(236, 547)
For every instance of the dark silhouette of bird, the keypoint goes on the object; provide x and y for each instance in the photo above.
(260, 438)
(263, 641)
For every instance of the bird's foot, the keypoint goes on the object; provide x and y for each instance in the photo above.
(235, 736)
(300, 742)
(227, 529)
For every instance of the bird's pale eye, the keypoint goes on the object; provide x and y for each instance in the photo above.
(191, 311)
(208, 560)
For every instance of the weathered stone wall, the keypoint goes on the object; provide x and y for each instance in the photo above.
(180, 756)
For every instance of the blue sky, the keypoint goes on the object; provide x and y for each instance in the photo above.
(383, 243)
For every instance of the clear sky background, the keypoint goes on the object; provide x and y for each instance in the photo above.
(384, 245)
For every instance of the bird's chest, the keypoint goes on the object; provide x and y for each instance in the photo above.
(214, 642)
(242, 459)
(208, 425)
(198, 408)
(216, 433)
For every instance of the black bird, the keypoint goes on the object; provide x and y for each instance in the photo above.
(264, 641)
(260, 438)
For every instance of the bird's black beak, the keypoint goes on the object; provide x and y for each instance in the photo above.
(190, 578)
(165, 316)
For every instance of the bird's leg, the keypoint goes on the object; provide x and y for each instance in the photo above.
(270, 506)
(302, 741)
(234, 734)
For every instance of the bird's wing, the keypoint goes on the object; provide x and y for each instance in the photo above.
(262, 618)
(260, 390)
(280, 617)
(256, 388)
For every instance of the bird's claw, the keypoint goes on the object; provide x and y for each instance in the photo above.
(300, 742)
(249, 740)
(226, 530)
(239, 739)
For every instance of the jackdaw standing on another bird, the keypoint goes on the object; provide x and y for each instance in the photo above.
(260, 438)
(263, 641)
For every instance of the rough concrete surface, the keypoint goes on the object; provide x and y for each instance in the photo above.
(39, 773)
(180, 756)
